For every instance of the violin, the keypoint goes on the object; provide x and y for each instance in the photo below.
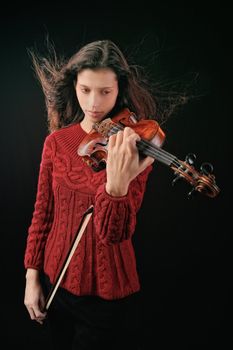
(94, 149)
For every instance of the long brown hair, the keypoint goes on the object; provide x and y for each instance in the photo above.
(57, 77)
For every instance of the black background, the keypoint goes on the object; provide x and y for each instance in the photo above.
(182, 245)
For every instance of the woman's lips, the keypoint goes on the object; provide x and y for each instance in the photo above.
(94, 114)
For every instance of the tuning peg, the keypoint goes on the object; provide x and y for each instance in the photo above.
(178, 177)
(206, 168)
(192, 192)
(190, 158)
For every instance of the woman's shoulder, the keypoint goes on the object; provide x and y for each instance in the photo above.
(67, 137)
(53, 136)
(64, 130)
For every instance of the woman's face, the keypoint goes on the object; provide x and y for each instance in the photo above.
(97, 91)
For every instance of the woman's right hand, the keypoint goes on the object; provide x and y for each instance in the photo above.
(34, 298)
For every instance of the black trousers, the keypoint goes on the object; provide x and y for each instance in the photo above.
(92, 323)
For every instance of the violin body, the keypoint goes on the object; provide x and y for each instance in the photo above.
(94, 150)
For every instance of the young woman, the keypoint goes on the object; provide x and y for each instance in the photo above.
(89, 307)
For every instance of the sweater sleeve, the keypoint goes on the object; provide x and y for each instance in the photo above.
(115, 217)
(43, 211)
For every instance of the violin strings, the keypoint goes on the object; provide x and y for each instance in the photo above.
(153, 150)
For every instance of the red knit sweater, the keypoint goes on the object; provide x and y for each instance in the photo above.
(104, 262)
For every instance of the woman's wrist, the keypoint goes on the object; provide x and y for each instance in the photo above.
(32, 274)
(116, 190)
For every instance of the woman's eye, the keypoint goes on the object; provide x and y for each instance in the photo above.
(84, 90)
(106, 92)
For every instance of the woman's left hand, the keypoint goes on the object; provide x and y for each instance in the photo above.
(123, 162)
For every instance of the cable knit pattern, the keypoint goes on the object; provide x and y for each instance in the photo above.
(104, 262)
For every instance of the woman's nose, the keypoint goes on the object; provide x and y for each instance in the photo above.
(94, 101)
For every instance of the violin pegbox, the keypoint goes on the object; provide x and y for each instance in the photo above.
(202, 181)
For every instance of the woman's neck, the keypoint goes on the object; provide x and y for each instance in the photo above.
(87, 127)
